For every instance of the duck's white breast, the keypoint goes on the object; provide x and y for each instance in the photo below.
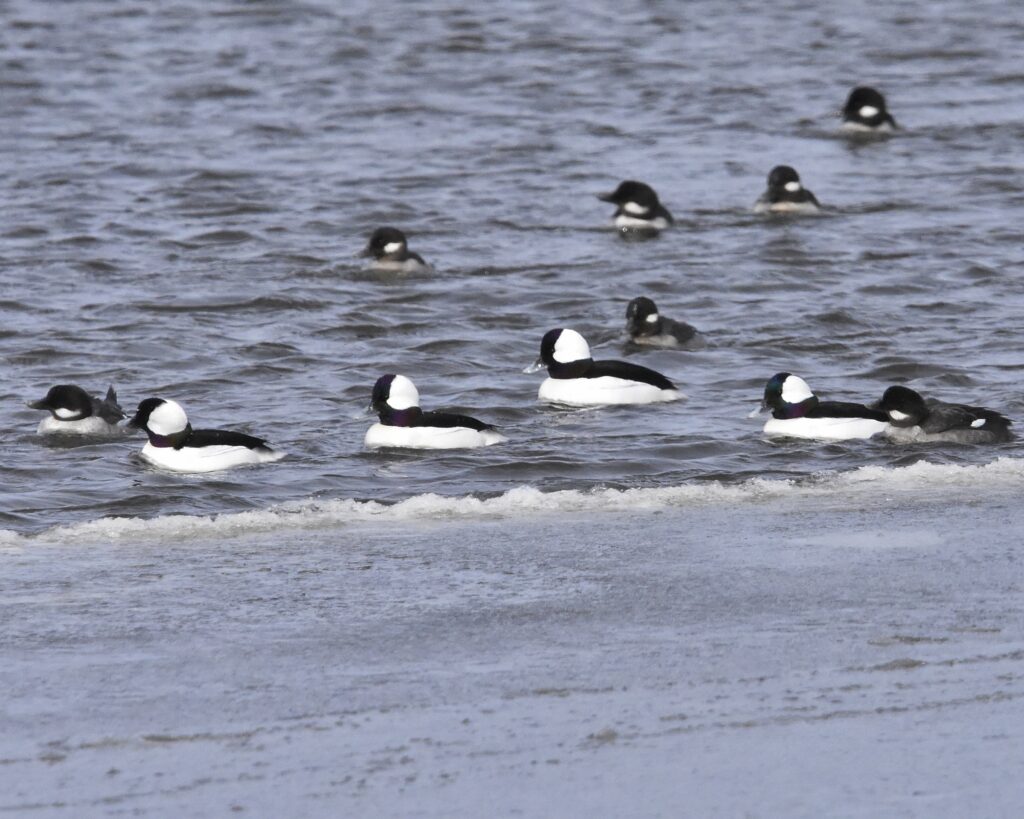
(825, 429)
(764, 206)
(625, 222)
(207, 458)
(661, 340)
(383, 435)
(861, 128)
(407, 266)
(585, 392)
(92, 425)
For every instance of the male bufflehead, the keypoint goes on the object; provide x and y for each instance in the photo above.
(785, 194)
(576, 379)
(797, 413)
(73, 411)
(638, 208)
(646, 326)
(912, 419)
(390, 252)
(173, 444)
(404, 424)
(865, 112)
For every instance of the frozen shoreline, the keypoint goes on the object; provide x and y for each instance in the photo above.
(791, 658)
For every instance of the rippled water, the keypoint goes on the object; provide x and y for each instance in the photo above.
(185, 189)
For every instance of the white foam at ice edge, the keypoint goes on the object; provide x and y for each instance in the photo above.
(526, 500)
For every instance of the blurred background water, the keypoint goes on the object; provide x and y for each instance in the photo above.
(185, 187)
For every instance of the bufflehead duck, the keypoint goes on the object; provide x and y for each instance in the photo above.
(73, 411)
(912, 419)
(174, 445)
(785, 194)
(638, 208)
(646, 325)
(797, 413)
(403, 424)
(576, 379)
(390, 251)
(865, 112)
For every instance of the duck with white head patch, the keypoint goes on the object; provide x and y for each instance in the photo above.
(404, 425)
(646, 326)
(786, 194)
(865, 112)
(174, 445)
(914, 419)
(390, 252)
(74, 412)
(638, 208)
(798, 413)
(574, 378)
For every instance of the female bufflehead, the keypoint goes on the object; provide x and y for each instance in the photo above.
(912, 418)
(390, 252)
(865, 112)
(576, 379)
(173, 444)
(797, 413)
(73, 411)
(404, 424)
(638, 207)
(785, 194)
(646, 326)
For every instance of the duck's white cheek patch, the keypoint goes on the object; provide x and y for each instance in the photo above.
(167, 419)
(60, 412)
(792, 187)
(867, 111)
(653, 317)
(978, 422)
(634, 209)
(403, 394)
(571, 346)
(392, 247)
(795, 390)
(896, 415)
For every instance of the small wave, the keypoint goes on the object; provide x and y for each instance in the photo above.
(207, 175)
(276, 129)
(526, 501)
(98, 266)
(905, 370)
(25, 232)
(258, 303)
(222, 210)
(211, 91)
(82, 240)
(223, 237)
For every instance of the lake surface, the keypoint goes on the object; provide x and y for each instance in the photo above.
(185, 190)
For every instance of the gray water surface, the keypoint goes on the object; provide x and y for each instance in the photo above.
(185, 189)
